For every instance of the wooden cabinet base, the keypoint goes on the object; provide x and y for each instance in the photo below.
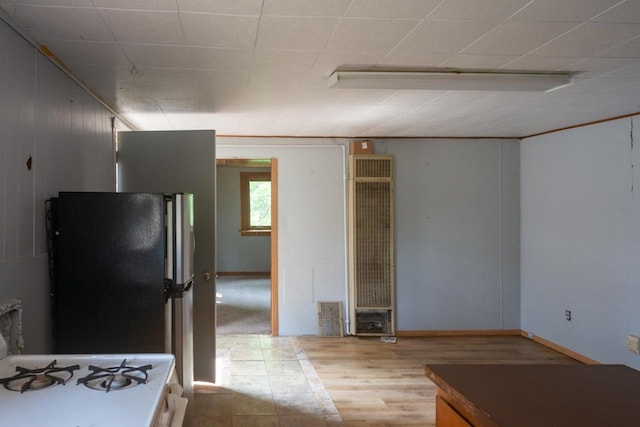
(446, 416)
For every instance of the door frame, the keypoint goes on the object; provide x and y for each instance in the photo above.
(273, 275)
(274, 247)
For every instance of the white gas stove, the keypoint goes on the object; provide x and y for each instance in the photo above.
(136, 390)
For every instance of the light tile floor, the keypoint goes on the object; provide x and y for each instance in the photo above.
(264, 381)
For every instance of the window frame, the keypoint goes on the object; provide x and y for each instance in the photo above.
(245, 205)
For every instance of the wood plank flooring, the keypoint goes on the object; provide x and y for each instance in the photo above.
(353, 382)
(373, 383)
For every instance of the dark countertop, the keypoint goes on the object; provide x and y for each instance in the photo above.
(542, 395)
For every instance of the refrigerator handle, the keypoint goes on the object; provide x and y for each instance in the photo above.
(168, 289)
(178, 290)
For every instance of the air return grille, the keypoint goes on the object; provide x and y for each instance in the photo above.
(373, 168)
(330, 323)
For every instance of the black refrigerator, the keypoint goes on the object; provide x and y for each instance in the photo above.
(122, 271)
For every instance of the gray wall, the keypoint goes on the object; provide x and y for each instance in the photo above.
(46, 116)
(457, 229)
(457, 233)
(581, 239)
(311, 223)
(237, 253)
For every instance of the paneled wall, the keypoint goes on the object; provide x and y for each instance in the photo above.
(457, 233)
(311, 223)
(581, 239)
(54, 137)
(457, 229)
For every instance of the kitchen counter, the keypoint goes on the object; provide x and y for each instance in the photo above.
(536, 395)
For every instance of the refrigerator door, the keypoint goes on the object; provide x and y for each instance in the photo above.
(109, 291)
(184, 239)
(181, 248)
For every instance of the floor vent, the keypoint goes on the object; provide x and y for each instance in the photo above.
(330, 321)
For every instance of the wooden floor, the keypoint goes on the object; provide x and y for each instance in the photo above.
(320, 381)
(380, 384)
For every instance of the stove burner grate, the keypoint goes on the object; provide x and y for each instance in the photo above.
(38, 378)
(116, 377)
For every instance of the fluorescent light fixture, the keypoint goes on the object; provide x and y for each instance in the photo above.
(449, 80)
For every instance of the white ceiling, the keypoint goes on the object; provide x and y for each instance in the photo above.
(260, 67)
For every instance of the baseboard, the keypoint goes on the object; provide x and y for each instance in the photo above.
(459, 333)
(500, 332)
(560, 349)
(244, 273)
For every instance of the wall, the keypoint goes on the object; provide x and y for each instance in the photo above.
(237, 253)
(311, 223)
(44, 116)
(580, 239)
(457, 269)
(457, 233)
(457, 229)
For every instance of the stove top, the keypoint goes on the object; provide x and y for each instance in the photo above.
(83, 390)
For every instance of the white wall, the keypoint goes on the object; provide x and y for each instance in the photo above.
(580, 239)
(237, 253)
(311, 223)
(46, 116)
(457, 233)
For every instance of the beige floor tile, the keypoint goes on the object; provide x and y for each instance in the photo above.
(279, 354)
(283, 367)
(213, 404)
(246, 353)
(267, 341)
(263, 381)
(213, 421)
(251, 384)
(248, 367)
(256, 421)
(302, 420)
(296, 404)
(252, 405)
(289, 384)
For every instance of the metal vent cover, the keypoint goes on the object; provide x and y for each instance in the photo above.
(330, 320)
(373, 244)
(372, 168)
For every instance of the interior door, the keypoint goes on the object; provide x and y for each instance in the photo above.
(182, 162)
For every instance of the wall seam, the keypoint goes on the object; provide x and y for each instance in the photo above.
(631, 155)
(34, 151)
(500, 235)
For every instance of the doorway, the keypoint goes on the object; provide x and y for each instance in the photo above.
(246, 257)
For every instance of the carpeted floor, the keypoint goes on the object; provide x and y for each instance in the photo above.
(244, 305)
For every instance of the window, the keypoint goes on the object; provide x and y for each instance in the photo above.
(255, 203)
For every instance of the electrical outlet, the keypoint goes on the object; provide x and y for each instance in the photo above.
(567, 315)
(633, 343)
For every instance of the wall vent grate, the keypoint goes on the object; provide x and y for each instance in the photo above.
(373, 244)
(330, 319)
(373, 168)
